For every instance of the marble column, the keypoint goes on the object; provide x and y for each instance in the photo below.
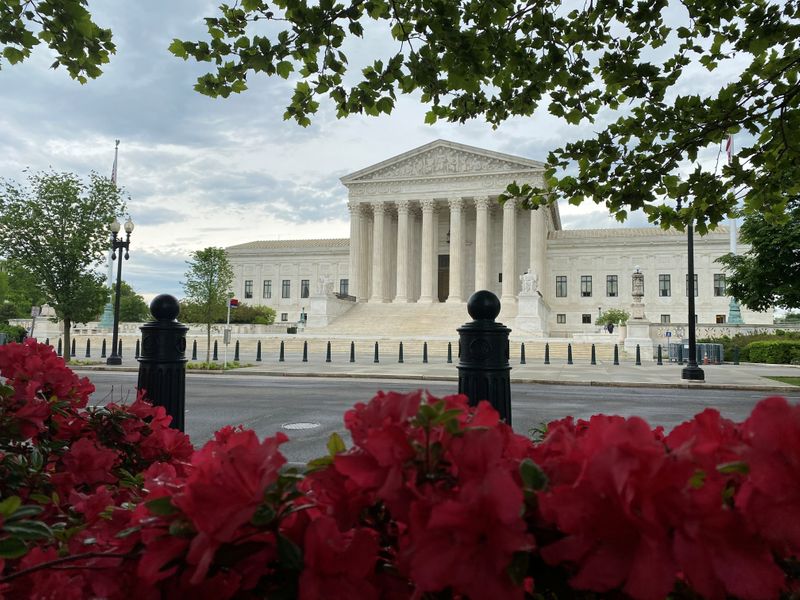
(353, 272)
(538, 246)
(456, 250)
(427, 292)
(481, 242)
(378, 220)
(509, 251)
(402, 251)
(364, 255)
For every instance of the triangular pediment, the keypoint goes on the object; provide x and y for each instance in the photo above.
(443, 159)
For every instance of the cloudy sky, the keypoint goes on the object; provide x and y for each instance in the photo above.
(215, 172)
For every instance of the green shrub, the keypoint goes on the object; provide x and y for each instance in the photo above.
(742, 341)
(777, 352)
(613, 316)
(14, 333)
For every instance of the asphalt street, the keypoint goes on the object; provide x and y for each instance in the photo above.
(309, 409)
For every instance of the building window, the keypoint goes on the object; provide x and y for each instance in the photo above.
(665, 319)
(344, 287)
(248, 288)
(586, 318)
(286, 288)
(284, 316)
(304, 288)
(561, 286)
(267, 293)
(664, 286)
(612, 286)
(499, 278)
(720, 319)
(586, 286)
(696, 287)
(561, 318)
(719, 284)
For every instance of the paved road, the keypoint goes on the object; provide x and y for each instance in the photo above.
(267, 404)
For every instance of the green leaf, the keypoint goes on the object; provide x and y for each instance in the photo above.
(28, 530)
(289, 554)
(336, 444)
(12, 548)
(23, 512)
(9, 505)
(161, 507)
(734, 467)
(698, 479)
(178, 49)
(284, 68)
(532, 475)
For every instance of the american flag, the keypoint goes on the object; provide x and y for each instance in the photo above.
(114, 168)
(729, 148)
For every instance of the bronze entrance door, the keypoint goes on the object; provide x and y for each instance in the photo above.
(444, 277)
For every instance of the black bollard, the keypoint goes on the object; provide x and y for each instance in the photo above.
(305, 351)
(522, 354)
(236, 352)
(483, 370)
(352, 352)
(328, 353)
(400, 353)
(194, 350)
(375, 360)
(72, 350)
(215, 356)
(162, 363)
(258, 351)
(594, 356)
(281, 356)
(547, 354)
(59, 347)
(88, 348)
(638, 356)
(119, 349)
(449, 352)
(736, 355)
(680, 353)
(569, 354)
(103, 349)
(424, 352)
(46, 341)
(138, 348)
(659, 361)
(616, 354)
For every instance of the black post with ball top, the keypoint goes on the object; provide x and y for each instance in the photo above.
(162, 363)
(484, 372)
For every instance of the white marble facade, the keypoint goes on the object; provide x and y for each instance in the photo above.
(426, 227)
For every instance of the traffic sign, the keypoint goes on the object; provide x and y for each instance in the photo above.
(669, 334)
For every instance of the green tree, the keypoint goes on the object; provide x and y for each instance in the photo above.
(56, 227)
(246, 313)
(22, 289)
(65, 26)
(132, 307)
(615, 63)
(207, 287)
(768, 274)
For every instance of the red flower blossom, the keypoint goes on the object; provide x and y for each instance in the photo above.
(90, 464)
(338, 566)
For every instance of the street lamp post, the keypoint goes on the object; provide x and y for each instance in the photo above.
(691, 371)
(117, 245)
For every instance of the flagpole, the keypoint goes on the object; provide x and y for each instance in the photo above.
(107, 320)
(734, 310)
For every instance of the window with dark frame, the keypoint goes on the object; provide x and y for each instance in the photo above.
(719, 284)
(286, 288)
(304, 291)
(248, 288)
(612, 286)
(720, 319)
(561, 286)
(664, 285)
(586, 318)
(284, 316)
(586, 286)
(665, 320)
(561, 318)
(344, 287)
(267, 293)
(696, 287)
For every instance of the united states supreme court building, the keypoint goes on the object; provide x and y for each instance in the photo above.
(427, 230)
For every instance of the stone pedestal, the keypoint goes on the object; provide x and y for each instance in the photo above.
(639, 333)
(532, 315)
(325, 308)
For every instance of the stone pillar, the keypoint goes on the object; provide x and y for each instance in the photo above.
(456, 250)
(481, 242)
(402, 251)
(365, 252)
(427, 292)
(509, 252)
(355, 247)
(378, 220)
(538, 247)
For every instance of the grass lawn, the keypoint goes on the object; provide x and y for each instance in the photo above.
(786, 379)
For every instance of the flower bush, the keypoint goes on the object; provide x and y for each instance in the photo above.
(435, 499)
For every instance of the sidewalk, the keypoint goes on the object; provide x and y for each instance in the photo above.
(742, 377)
